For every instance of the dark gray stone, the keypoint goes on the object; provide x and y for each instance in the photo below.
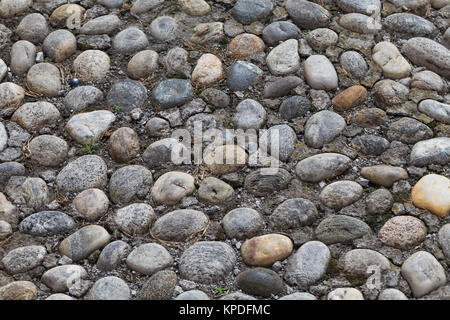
(47, 223)
(172, 93)
(128, 94)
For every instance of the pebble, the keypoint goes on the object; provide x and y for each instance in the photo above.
(67, 16)
(215, 97)
(128, 181)
(109, 288)
(436, 110)
(173, 93)
(80, 244)
(360, 23)
(264, 251)
(294, 213)
(111, 3)
(340, 194)
(265, 181)
(427, 80)
(379, 201)
(432, 192)
(384, 175)
(48, 150)
(241, 75)
(11, 95)
(90, 126)
(180, 185)
(59, 296)
(260, 282)
(248, 11)
(23, 259)
(112, 255)
(370, 144)
(160, 286)
(242, 223)
(5, 229)
(349, 98)
(59, 45)
(246, 45)
(28, 191)
(123, 145)
(322, 127)
(280, 31)
(403, 232)
(46, 223)
(207, 262)
(130, 41)
(428, 53)
(106, 24)
(214, 191)
(423, 273)
(3, 69)
(307, 15)
(299, 296)
(368, 7)
(308, 265)
(407, 23)
(33, 28)
(208, 33)
(409, 130)
(143, 64)
(225, 159)
(157, 127)
(391, 61)
(82, 97)
(165, 151)
(341, 229)
(281, 87)
(142, 6)
(135, 218)
(23, 56)
(18, 290)
(431, 151)
(45, 79)
(208, 70)
(35, 115)
(391, 294)
(91, 65)
(293, 107)
(192, 295)
(345, 294)
(320, 73)
(444, 239)
(82, 173)
(163, 28)
(360, 261)
(322, 166)
(91, 203)
(62, 278)
(10, 8)
(284, 58)
(179, 225)
(149, 258)
(354, 64)
(278, 141)
(127, 94)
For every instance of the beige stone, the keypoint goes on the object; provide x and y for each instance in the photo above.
(246, 45)
(432, 192)
(208, 70)
(264, 250)
(225, 159)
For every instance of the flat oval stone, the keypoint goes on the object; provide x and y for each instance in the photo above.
(109, 288)
(260, 281)
(173, 92)
(242, 223)
(128, 94)
(106, 24)
(436, 110)
(307, 15)
(173, 186)
(299, 296)
(403, 232)
(248, 11)
(320, 73)
(82, 97)
(384, 175)
(294, 213)
(112, 255)
(225, 159)
(432, 192)
(82, 173)
(284, 58)
(135, 218)
(23, 56)
(149, 258)
(130, 41)
(280, 31)
(23, 259)
(428, 53)
(444, 239)
(35, 115)
(349, 98)
(18, 290)
(208, 70)
(160, 286)
(358, 261)
(340, 194)
(250, 114)
(292, 107)
(246, 45)
(11, 95)
(360, 23)
(345, 294)
(207, 262)
(278, 141)
(408, 23)
(322, 166)
(409, 130)
(179, 225)
(308, 265)
(47, 223)
(127, 181)
(354, 63)
(390, 60)
(368, 7)
(391, 294)
(242, 75)
(163, 28)
(423, 273)
(264, 181)
(48, 150)
(264, 251)
(61, 278)
(281, 87)
(427, 80)
(80, 244)
(432, 151)
(45, 79)
(322, 38)
(90, 126)
(192, 295)
(91, 65)
(59, 45)
(341, 229)
(322, 127)
(214, 191)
